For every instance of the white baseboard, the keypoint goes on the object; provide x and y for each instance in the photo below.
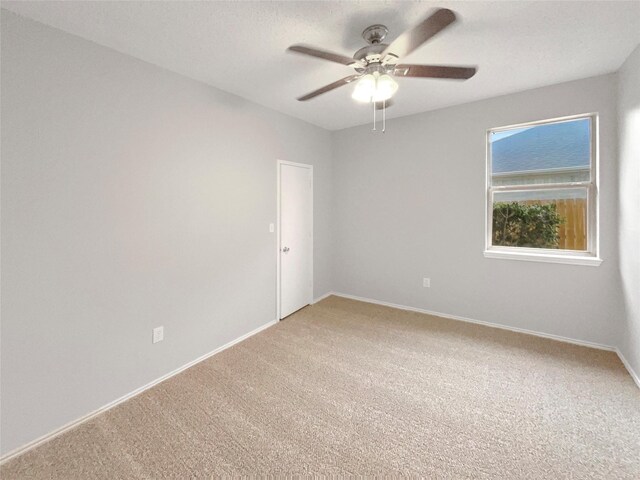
(634, 375)
(319, 299)
(59, 431)
(559, 338)
(69, 426)
(481, 322)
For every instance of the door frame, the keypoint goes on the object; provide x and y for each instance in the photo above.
(279, 165)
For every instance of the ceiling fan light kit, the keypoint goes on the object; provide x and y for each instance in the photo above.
(374, 87)
(376, 63)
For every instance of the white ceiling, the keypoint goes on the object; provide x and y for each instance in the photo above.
(240, 46)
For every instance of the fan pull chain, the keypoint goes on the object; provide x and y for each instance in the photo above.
(384, 115)
(374, 115)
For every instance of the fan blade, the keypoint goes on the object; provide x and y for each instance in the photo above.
(327, 88)
(434, 71)
(332, 57)
(412, 39)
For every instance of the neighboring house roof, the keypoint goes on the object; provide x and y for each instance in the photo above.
(544, 147)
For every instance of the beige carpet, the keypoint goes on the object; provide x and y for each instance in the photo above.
(345, 387)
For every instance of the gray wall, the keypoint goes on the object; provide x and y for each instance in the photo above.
(629, 131)
(410, 204)
(131, 198)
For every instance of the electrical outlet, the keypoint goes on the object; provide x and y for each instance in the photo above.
(426, 282)
(158, 334)
(272, 228)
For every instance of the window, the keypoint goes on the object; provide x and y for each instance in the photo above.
(542, 197)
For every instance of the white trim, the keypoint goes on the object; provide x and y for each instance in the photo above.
(593, 202)
(543, 257)
(546, 171)
(519, 187)
(560, 338)
(49, 436)
(322, 297)
(59, 431)
(634, 375)
(535, 123)
(279, 163)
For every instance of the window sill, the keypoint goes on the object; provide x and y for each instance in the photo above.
(544, 257)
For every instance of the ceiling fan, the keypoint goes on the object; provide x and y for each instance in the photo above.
(377, 63)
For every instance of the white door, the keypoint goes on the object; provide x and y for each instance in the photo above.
(296, 237)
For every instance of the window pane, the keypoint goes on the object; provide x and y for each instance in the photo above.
(554, 218)
(549, 153)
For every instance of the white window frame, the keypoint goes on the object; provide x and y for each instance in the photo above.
(590, 257)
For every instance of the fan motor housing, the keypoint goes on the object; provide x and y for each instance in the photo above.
(370, 53)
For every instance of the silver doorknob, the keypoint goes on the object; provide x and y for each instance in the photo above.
(285, 249)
